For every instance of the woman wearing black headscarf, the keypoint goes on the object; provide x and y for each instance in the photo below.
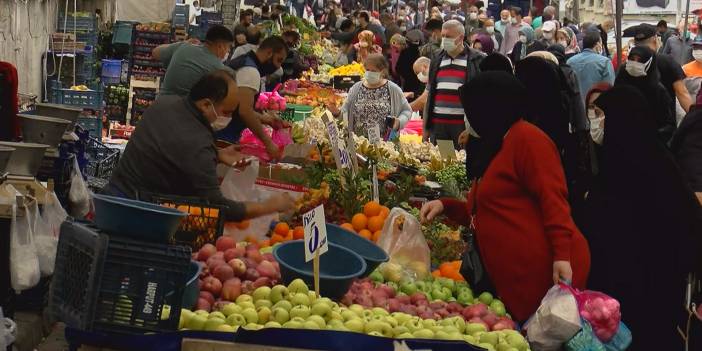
(526, 237)
(496, 62)
(645, 226)
(641, 72)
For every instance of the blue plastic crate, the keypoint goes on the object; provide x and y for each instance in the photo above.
(93, 124)
(82, 23)
(89, 38)
(122, 32)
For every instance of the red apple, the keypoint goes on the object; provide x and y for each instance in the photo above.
(418, 296)
(268, 257)
(251, 274)
(224, 242)
(212, 285)
(207, 296)
(266, 269)
(394, 305)
(262, 281)
(254, 254)
(238, 266)
(203, 304)
(490, 319)
(206, 251)
(404, 299)
(231, 289)
(247, 287)
(223, 272)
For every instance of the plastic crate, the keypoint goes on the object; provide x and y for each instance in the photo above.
(81, 98)
(204, 223)
(122, 32)
(102, 160)
(89, 38)
(111, 69)
(80, 258)
(79, 23)
(91, 124)
(135, 282)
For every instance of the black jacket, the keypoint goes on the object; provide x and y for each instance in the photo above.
(686, 146)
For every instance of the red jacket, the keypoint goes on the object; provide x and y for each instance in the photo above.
(9, 102)
(523, 220)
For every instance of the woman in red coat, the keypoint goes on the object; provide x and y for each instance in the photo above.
(526, 236)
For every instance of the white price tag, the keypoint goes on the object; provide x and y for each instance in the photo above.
(374, 135)
(315, 228)
(344, 157)
(446, 149)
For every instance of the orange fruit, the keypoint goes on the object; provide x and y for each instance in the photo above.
(376, 236)
(281, 228)
(436, 274)
(359, 221)
(243, 224)
(384, 211)
(375, 223)
(299, 232)
(366, 234)
(289, 236)
(371, 209)
(265, 243)
(348, 226)
(276, 238)
(446, 269)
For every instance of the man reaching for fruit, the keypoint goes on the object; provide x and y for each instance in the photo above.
(182, 161)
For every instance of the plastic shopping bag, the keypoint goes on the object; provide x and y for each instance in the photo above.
(585, 340)
(403, 241)
(252, 145)
(555, 322)
(600, 310)
(24, 264)
(240, 186)
(46, 232)
(79, 195)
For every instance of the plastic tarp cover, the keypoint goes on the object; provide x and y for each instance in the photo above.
(144, 11)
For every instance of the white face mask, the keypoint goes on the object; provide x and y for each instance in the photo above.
(373, 77)
(448, 44)
(697, 54)
(596, 129)
(505, 20)
(513, 20)
(523, 38)
(490, 30)
(473, 15)
(548, 35)
(403, 28)
(422, 77)
(637, 69)
(221, 122)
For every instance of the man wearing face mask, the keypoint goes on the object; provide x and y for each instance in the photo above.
(694, 68)
(590, 66)
(501, 25)
(421, 70)
(249, 70)
(433, 45)
(511, 35)
(182, 162)
(494, 34)
(292, 65)
(456, 64)
(364, 23)
(187, 62)
(548, 32)
(472, 21)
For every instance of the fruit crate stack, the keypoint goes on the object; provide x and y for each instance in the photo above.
(181, 15)
(72, 67)
(116, 100)
(114, 284)
(145, 38)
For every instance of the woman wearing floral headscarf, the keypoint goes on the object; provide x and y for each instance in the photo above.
(365, 46)
(567, 39)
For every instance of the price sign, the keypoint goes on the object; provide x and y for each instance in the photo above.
(315, 228)
(446, 149)
(344, 157)
(374, 135)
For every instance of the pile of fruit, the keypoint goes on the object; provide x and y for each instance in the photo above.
(282, 232)
(295, 307)
(314, 95)
(159, 27)
(230, 269)
(117, 95)
(352, 69)
(449, 270)
(369, 224)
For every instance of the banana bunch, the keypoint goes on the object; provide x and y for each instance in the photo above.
(352, 69)
(80, 88)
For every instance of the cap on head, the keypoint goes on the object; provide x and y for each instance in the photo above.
(548, 26)
(644, 31)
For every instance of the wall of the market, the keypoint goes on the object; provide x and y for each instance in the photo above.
(25, 28)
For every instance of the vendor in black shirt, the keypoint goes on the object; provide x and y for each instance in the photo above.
(181, 159)
(671, 72)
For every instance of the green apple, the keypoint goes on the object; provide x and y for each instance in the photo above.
(298, 286)
(405, 336)
(413, 325)
(337, 325)
(319, 320)
(450, 329)
(226, 328)
(486, 298)
(470, 339)
(184, 316)
(231, 308)
(196, 322)
(439, 294)
(451, 299)
(392, 321)
(348, 314)
(217, 314)
(423, 334)
(457, 322)
(448, 283)
(455, 336)
(250, 314)
(264, 314)
(428, 323)
(376, 276)
(517, 341)
(368, 314)
(408, 287)
(334, 315)
(486, 346)
(300, 299)
(380, 311)
(301, 311)
(202, 313)
(357, 309)
(392, 272)
(378, 326)
(422, 285)
(263, 303)
(465, 297)
(212, 323)
(472, 328)
(355, 325)
(284, 304)
(441, 335)
(236, 320)
(272, 324)
(253, 326)
(400, 317)
(280, 315)
(312, 296)
(393, 285)
(278, 293)
(246, 304)
(244, 297)
(327, 301)
(295, 323)
(498, 307)
(503, 346)
(320, 309)
(400, 329)
(310, 325)
(261, 293)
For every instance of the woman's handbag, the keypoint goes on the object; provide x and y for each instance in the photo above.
(471, 263)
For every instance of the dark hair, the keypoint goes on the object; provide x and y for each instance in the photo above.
(346, 24)
(291, 34)
(516, 9)
(433, 24)
(213, 86)
(591, 39)
(245, 14)
(274, 42)
(253, 35)
(479, 4)
(219, 33)
(265, 8)
(662, 23)
(364, 15)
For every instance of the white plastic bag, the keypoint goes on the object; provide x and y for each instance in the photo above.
(403, 241)
(555, 322)
(8, 331)
(78, 195)
(240, 186)
(47, 227)
(24, 264)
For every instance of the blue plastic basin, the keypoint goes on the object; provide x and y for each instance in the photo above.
(337, 267)
(363, 247)
(192, 290)
(136, 219)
